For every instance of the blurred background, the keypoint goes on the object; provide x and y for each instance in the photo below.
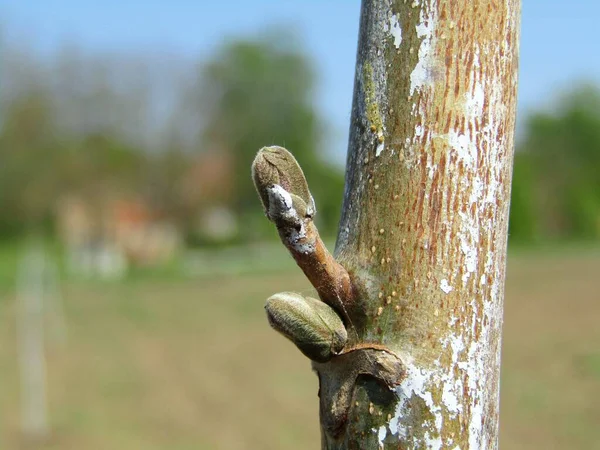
(135, 259)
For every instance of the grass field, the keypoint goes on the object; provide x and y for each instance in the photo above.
(182, 364)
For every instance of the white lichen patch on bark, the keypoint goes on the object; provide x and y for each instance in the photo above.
(395, 30)
(421, 75)
(280, 202)
(281, 205)
(445, 286)
(417, 386)
(466, 364)
(380, 144)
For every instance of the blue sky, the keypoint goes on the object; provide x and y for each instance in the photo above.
(560, 39)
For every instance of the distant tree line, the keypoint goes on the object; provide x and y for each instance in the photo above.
(556, 180)
(80, 122)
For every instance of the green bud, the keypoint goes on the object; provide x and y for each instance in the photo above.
(281, 185)
(312, 325)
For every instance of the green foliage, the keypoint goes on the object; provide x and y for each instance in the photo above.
(260, 93)
(74, 125)
(249, 94)
(39, 163)
(67, 130)
(522, 218)
(556, 181)
(26, 150)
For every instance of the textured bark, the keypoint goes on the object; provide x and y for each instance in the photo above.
(425, 217)
(417, 276)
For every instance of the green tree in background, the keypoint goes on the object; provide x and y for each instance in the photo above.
(91, 123)
(556, 184)
(79, 122)
(27, 152)
(40, 163)
(262, 92)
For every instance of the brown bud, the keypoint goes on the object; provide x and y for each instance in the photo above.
(281, 185)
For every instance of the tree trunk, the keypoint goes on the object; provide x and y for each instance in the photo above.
(418, 274)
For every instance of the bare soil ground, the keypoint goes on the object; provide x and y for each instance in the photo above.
(193, 364)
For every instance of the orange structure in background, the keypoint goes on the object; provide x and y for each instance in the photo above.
(106, 236)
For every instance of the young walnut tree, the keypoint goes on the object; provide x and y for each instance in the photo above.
(405, 335)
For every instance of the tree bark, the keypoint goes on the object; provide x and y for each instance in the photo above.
(423, 232)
